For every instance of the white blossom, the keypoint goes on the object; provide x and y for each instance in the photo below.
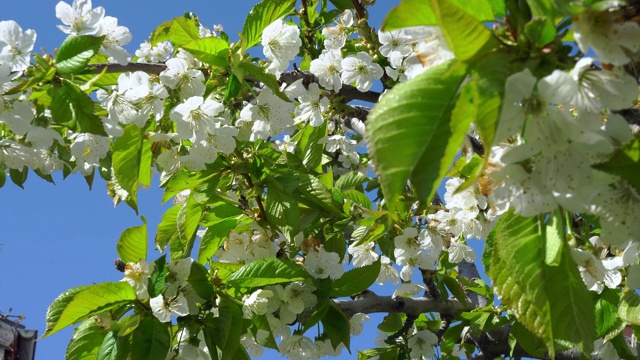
(360, 69)
(323, 264)
(335, 37)
(257, 303)
(178, 75)
(363, 255)
(610, 39)
(281, 43)
(15, 45)
(80, 18)
(163, 308)
(421, 344)
(196, 118)
(387, 272)
(137, 275)
(115, 38)
(327, 68)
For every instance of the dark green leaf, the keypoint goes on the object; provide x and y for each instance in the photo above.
(76, 51)
(199, 280)
(283, 212)
(158, 277)
(351, 180)
(356, 280)
(86, 341)
(266, 272)
(411, 133)
(72, 108)
(337, 327)
(151, 340)
(549, 8)
(214, 237)
(540, 31)
(19, 176)
(231, 326)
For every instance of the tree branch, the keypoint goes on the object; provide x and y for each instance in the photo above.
(369, 303)
(348, 92)
(149, 68)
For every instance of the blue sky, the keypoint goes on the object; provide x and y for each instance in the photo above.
(55, 237)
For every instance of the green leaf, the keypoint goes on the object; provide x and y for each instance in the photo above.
(625, 162)
(391, 323)
(19, 176)
(210, 50)
(318, 314)
(231, 325)
(151, 340)
(540, 31)
(622, 348)
(337, 327)
(132, 245)
(109, 348)
(215, 236)
(309, 149)
(127, 155)
(76, 51)
(266, 272)
(411, 133)
(312, 189)
(549, 8)
(72, 108)
(551, 301)
(419, 12)
(199, 280)
(607, 312)
(183, 180)
(351, 180)
(358, 197)
(554, 239)
(167, 229)
(488, 77)
(158, 277)
(3, 178)
(465, 35)
(183, 31)
(342, 4)
(356, 280)
(283, 212)
(258, 73)
(86, 341)
(79, 303)
(261, 16)
(629, 308)
(187, 221)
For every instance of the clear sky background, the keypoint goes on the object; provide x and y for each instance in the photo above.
(55, 237)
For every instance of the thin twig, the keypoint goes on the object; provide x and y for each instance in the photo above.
(263, 214)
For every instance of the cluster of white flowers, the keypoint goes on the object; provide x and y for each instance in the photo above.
(248, 246)
(81, 18)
